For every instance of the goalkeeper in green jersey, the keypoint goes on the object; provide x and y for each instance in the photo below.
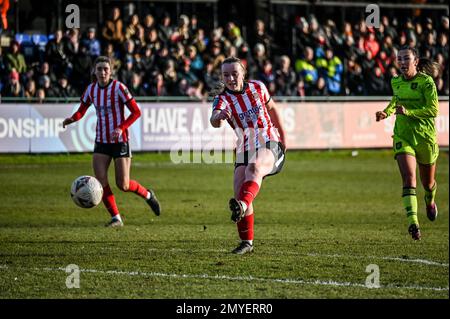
(415, 104)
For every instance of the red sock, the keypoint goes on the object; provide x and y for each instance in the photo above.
(110, 201)
(245, 227)
(248, 192)
(137, 188)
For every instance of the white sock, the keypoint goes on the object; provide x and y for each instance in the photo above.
(249, 241)
(117, 217)
(244, 205)
(149, 195)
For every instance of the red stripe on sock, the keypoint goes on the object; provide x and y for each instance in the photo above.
(245, 227)
(248, 192)
(137, 188)
(109, 201)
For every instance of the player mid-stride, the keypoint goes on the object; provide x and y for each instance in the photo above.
(415, 104)
(111, 142)
(260, 151)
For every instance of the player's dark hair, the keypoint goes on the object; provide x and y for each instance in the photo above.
(220, 87)
(101, 59)
(425, 65)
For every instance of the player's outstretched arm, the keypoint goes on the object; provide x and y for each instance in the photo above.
(67, 121)
(218, 116)
(77, 115)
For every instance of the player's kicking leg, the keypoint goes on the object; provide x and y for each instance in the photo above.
(260, 165)
(248, 179)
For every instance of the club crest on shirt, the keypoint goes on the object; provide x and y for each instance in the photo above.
(255, 96)
(413, 85)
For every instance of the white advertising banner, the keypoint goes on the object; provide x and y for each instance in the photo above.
(37, 128)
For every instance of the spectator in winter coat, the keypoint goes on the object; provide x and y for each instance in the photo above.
(92, 44)
(285, 77)
(15, 59)
(113, 29)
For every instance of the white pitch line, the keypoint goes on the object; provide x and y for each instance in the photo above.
(415, 260)
(237, 278)
(418, 261)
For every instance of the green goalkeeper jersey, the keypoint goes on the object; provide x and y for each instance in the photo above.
(419, 97)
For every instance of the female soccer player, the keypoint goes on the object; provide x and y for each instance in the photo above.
(415, 103)
(109, 97)
(250, 111)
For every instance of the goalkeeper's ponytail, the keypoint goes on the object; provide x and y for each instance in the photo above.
(428, 67)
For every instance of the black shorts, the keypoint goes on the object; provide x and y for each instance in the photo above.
(277, 149)
(115, 150)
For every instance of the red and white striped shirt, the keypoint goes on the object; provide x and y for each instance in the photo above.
(249, 115)
(109, 104)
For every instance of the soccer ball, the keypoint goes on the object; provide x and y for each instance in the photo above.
(86, 191)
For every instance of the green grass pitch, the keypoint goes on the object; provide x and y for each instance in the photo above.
(319, 225)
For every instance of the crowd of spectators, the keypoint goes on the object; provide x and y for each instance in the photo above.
(160, 57)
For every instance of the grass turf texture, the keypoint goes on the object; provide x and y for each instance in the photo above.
(318, 225)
